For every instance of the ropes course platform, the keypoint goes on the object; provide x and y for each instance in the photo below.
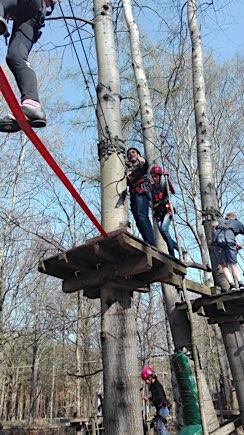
(119, 261)
(221, 308)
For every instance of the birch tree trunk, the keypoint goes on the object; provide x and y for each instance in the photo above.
(122, 405)
(231, 332)
(178, 321)
(147, 120)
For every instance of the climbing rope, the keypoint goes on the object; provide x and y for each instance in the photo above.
(19, 115)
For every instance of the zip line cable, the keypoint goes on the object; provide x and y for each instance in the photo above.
(82, 70)
(91, 74)
(23, 123)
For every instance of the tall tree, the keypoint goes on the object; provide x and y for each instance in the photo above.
(122, 407)
(231, 332)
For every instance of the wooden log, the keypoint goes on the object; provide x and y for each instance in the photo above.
(226, 429)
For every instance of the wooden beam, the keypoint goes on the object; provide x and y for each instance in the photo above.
(192, 286)
(130, 267)
(226, 319)
(127, 285)
(224, 430)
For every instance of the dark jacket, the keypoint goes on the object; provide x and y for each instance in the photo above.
(137, 178)
(160, 199)
(158, 397)
(226, 231)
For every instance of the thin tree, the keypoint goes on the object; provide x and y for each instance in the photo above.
(231, 332)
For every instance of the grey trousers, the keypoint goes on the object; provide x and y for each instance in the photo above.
(28, 17)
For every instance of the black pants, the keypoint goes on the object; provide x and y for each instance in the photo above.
(28, 16)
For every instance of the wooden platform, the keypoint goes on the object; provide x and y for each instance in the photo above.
(119, 261)
(221, 308)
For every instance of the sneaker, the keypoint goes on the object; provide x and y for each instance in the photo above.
(241, 286)
(35, 115)
(232, 288)
(3, 26)
(8, 124)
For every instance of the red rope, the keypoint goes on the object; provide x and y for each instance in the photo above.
(19, 115)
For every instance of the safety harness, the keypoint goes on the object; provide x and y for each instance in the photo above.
(221, 234)
(161, 205)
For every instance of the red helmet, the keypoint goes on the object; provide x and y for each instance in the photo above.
(156, 170)
(146, 372)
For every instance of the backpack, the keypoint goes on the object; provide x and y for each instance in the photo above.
(224, 235)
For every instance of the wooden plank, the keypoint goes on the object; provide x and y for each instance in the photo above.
(192, 286)
(135, 245)
(224, 297)
(130, 267)
(226, 319)
(104, 254)
(162, 273)
(224, 430)
(220, 305)
(131, 285)
(58, 270)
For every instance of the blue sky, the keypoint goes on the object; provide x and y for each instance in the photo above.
(223, 30)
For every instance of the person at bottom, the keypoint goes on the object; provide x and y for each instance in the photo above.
(158, 399)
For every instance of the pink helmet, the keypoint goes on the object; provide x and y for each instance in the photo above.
(156, 170)
(146, 372)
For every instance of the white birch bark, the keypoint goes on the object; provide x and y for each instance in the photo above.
(122, 405)
(231, 332)
(147, 119)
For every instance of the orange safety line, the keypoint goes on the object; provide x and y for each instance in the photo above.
(21, 119)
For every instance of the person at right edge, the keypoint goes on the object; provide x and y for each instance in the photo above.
(226, 248)
(157, 399)
(161, 206)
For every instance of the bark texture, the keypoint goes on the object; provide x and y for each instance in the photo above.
(122, 404)
(231, 332)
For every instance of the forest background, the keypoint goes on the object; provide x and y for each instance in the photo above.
(46, 337)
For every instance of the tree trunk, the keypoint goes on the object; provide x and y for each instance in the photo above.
(78, 356)
(122, 405)
(147, 120)
(231, 332)
(179, 323)
(34, 373)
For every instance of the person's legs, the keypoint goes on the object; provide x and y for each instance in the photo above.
(227, 273)
(20, 45)
(163, 227)
(164, 413)
(140, 210)
(27, 22)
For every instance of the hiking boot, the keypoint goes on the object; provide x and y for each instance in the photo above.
(241, 286)
(35, 115)
(8, 124)
(232, 288)
(3, 26)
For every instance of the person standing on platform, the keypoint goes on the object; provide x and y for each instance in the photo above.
(226, 248)
(140, 193)
(161, 206)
